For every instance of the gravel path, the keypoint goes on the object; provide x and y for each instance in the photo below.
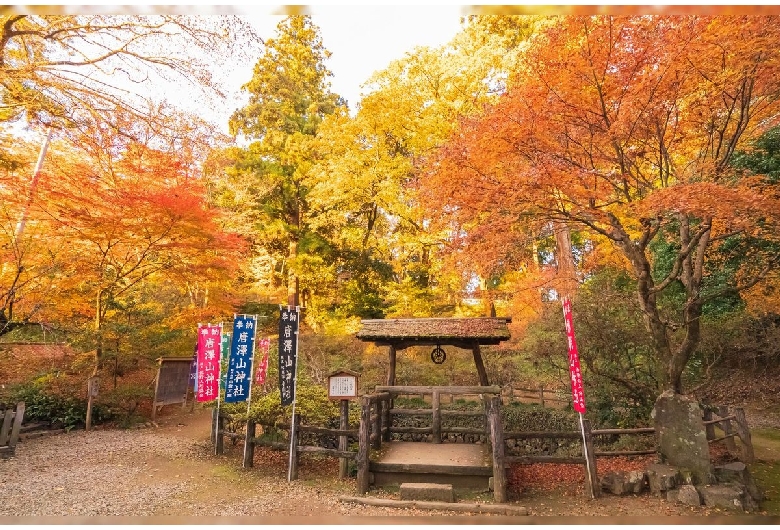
(165, 471)
(170, 471)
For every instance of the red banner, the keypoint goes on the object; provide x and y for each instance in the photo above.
(577, 392)
(263, 346)
(209, 345)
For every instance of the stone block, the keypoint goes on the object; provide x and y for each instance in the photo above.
(424, 491)
(661, 478)
(729, 496)
(739, 472)
(687, 494)
(622, 483)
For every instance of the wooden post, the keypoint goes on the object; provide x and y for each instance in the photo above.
(391, 367)
(219, 446)
(748, 456)
(731, 445)
(493, 413)
(364, 439)
(592, 487)
(376, 424)
(294, 447)
(541, 396)
(483, 378)
(709, 428)
(436, 422)
(249, 443)
(343, 425)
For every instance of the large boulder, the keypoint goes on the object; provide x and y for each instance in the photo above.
(680, 436)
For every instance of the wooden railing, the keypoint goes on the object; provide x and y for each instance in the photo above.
(722, 417)
(11, 418)
(376, 424)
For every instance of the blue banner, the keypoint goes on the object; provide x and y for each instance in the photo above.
(239, 370)
(288, 353)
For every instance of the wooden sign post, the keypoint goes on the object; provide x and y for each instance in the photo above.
(343, 386)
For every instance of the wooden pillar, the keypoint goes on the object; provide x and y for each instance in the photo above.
(343, 425)
(249, 443)
(436, 422)
(483, 379)
(748, 456)
(592, 488)
(364, 440)
(391, 367)
(496, 429)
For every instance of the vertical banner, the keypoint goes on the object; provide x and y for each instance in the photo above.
(577, 392)
(223, 364)
(194, 369)
(264, 345)
(288, 353)
(239, 375)
(208, 362)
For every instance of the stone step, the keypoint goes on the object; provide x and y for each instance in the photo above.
(426, 491)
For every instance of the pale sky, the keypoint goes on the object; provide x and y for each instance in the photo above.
(365, 39)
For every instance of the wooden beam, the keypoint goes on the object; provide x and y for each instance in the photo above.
(391, 366)
(483, 378)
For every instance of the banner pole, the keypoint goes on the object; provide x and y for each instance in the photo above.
(251, 368)
(295, 399)
(587, 460)
(219, 382)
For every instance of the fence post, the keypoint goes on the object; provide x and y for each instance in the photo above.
(496, 432)
(592, 486)
(541, 396)
(744, 434)
(709, 428)
(219, 445)
(343, 425)
(436, 422)
(376, 425)
(387, 420)
(249, 443)
(731, 445)
(296, 429)
(364, 439)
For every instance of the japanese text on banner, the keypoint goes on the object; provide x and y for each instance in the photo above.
(288, 353)
(239, 374)
(262, 370)
(577, 391)
(208, 362)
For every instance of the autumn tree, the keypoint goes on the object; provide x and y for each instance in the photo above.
(360, 190)
(624, 128)
(263, 183)
(64, 69)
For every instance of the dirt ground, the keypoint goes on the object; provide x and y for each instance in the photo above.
(222, 476)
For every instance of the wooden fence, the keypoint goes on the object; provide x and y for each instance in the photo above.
(10, 423)
(722, 417)
(376, 426)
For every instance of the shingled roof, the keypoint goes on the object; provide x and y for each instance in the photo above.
(422, 331)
